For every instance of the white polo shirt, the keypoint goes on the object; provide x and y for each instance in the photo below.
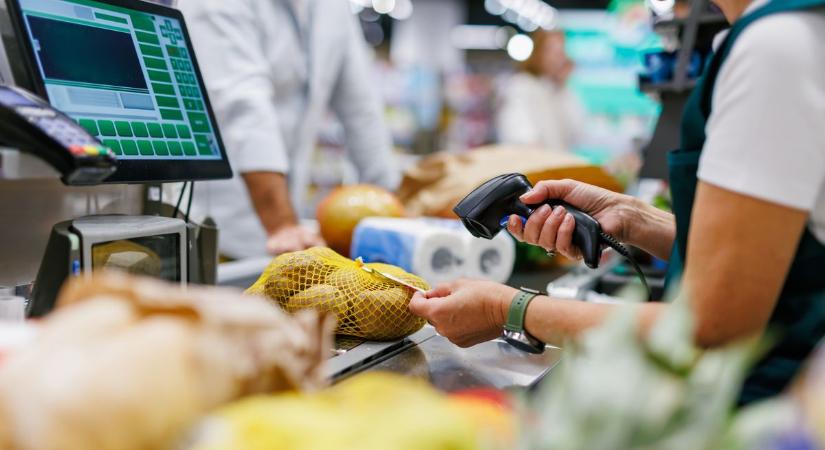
(766, 133)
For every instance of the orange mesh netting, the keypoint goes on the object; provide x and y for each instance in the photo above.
(368, 305)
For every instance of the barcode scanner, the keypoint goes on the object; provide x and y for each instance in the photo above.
(486, 211)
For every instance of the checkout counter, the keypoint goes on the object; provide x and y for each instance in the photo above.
(148, 120)
(425, 354)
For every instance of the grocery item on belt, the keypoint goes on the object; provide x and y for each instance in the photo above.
(436, 254)
(130, 363)
(367, 305)
(373, 411)
(438, 250)
(483, 259)
(343, 208)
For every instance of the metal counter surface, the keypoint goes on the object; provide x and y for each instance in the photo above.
(429, 356)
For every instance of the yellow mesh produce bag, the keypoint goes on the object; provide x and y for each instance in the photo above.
(367, 305)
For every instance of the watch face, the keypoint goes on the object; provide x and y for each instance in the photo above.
(524, 342)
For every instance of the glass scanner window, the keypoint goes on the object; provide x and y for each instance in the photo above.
(124, 75)
(155, 256)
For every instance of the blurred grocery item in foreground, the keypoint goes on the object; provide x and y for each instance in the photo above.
(340, 212)
(367, 305)
(437, 183)
(374, 411)
(129, 363)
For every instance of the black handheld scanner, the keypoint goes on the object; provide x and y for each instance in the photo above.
(486, 210)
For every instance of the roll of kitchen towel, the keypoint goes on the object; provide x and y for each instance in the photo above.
(490, 259)
(484, 259)
(434, 254)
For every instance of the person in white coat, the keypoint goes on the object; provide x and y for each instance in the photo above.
(273, 68)
(538, 109)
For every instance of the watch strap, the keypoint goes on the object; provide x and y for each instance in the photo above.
(518, 310)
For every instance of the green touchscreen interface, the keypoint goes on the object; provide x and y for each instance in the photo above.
(126, 76)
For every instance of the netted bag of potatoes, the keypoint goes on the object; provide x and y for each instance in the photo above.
(368, 305)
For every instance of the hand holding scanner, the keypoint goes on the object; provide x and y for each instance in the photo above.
(31, 125)
(486, 210)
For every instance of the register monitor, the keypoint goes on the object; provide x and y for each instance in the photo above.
(126, 71)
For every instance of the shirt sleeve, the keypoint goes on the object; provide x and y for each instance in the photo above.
(357, 104)
(766, 133)
(237, 74)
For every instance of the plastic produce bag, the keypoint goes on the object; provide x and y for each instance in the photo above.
(367, 305)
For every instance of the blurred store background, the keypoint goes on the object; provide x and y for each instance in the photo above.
(444, 67)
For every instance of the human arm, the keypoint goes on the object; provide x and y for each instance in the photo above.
(235, 66)
(740, 251)
(270, 198)
(357, 104)
(739, 254)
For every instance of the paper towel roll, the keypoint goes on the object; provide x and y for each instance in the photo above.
(433, 253)
(485, 259)
(490, 259)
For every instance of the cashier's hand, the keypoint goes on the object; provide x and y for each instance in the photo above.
(292, 238)
(467, 312)
(552, 229)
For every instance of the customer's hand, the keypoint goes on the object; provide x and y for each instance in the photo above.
(553, 229)
(467, 312)
(292, 238)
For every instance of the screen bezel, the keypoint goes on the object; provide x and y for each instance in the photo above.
(136, 170)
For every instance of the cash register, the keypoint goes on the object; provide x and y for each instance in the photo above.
(121, 79)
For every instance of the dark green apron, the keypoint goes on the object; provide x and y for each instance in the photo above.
(798, 322)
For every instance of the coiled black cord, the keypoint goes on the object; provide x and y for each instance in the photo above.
(624, 251)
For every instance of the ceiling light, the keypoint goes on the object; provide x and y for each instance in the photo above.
(520, 47)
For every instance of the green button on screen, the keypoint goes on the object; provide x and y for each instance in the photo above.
(129, 147)
(124, 129)
(183, 132)
(114, 145)
(189, 148)
(155, 130)
(140, 129)
(170, 131)
(160, 148)
(90, 126)
(107, 128)
(175, 148)
(203, 144)
(199, 123)
(145, 148)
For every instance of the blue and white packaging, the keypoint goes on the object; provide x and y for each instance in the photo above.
(437, 250)
(434, 254)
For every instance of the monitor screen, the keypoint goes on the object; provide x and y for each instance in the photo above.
(125, 70)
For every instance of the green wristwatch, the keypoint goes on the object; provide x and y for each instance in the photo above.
(514, 332)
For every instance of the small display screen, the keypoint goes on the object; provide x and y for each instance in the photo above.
(126, 76)
(154, 256)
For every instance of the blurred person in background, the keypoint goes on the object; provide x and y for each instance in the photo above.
(273, 68)
(537, 107)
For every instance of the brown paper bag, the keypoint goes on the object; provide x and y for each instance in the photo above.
(436, 184)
